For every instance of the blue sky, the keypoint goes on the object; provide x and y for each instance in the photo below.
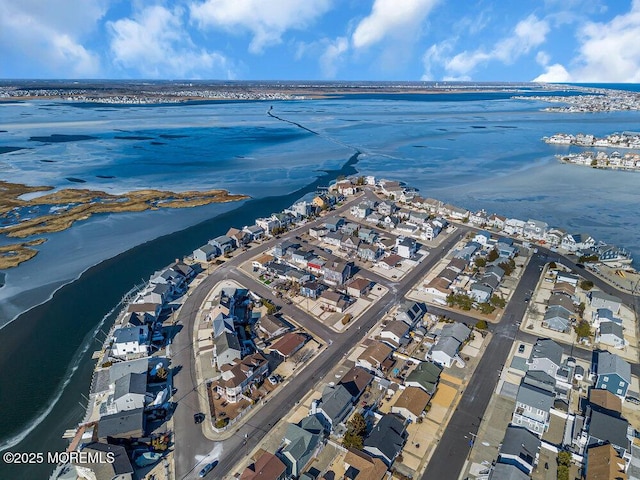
(480, 40)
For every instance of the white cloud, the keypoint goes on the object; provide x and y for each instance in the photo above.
(608, 52)
(267, 20)
(433, 56)
(50, 34)
(527, 34)
(391, 18)
(154, 43)
(332, 56)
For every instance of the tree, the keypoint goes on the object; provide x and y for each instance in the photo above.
(594, 162)
(480, 262)
(486, 308)
(497, 301)
(563, 472)
(352, 440)
(356, 429)
(271, 308)
(482, 325)
(564, 458)
(493, 255)
(553, 265)
(586, 285)
(583, 329)
(358, 424)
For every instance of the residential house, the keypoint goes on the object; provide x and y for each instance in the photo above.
(411, 403)
(281, 249)
(418, 218)
(612, 373)
(226, 349)
(457, 213)
(311, 289)
(482, 237)
(600, 299)
(358, 465)
(359, 287)
(333, 407)
(337, 273)
(266, 467)
(368, 235)
(505, 471)
(220, 320)
(513, 226)
(239, 237)
(374, 219)
(128, 424)
(356, 381)
(205, 253)
(316, 265)
(546, 356)
(496, 221)
(478, 218)
(604, 400)
(237, 377)
(333, 238)
(395, 332)
(270, 326)
(535, 229)
(386, 208)
(130, 342)
(577, 242)
(302, 442)
(424, 376)
(256, 232)
(350, 244)
(346, 187)
(557, 318)
(268, 225)
(565, 277)
(289, 344)
(445, 351)
(317, 232)
(554, 237)
(261, 262)
(350, 229)
(519, 448)
(432, 205)
(480, 293)
(118, 469)
(361, 210)
(369, 253)
(610, 333)
(389, 262)
(128, 393)
(533, 404)
(604, 428)
(386, 439)
(430, 230)
(411, 312)
(334, 301)
(605, 463)
(439, 289)
(564, 288)
(223, 243)
(149, 310)
(458, 331)
(374, 356)
(406, 247)
(333, 224)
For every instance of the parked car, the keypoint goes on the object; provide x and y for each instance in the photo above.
(633, 400)
(273, 380)
(198, 418)
(207, 468)
(521, 348)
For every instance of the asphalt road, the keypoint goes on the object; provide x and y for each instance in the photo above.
(192, 448)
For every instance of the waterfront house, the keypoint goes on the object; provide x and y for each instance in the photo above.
(302, 443)
(240, 237)
(126, 425)
(359, 465)
(333, 407)
(223, 243)
(612, 373)
(205, 253)
(346, 187)
(478, 218)
(519, 448)
(356, 381)
(268, 224)
(266, 467)
(386, 439)
(289, 344)
(575, 242)
(610, 333)
(411, 403)
(456, 213)
(432, 205)
(238, 376)
(425, 376)
(533, 405)
(554, 236)
(600, 299)
(535, 229)
(373, 357)
(130, 342)
(149, 310)
(256, 232)
(226, 349)
(120, 468)
(128, 393)
(514, 226)
(496, 221)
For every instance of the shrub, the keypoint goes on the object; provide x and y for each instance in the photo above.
(586, 285)
(482, 325)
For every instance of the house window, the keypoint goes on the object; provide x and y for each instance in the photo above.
(622, 384)
(604, 385)
(605, 379)
(619, 391)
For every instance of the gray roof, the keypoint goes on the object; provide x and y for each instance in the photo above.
(131, 383)
(495, 270)
(520, 442)
(413, 310)
(610, 363)
(605, 313)
(122, 423)
(448, 345)
(459, 331)
(611, 328)
(301, 443)
(387, 436)
(482, 288)
(312, 423)
(604, 296)
(129, 334)
(502, 471)
(540, 379)
(546, 348)
(535, 397)
(426, 374)
(607, 428)
(226, 341)
(121, 464)
(557, 311)
(335, 400)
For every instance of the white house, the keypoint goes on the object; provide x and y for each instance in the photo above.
(610, 333)
(130, 341)
(406, 247)
(514, 226)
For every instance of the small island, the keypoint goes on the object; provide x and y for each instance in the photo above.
(58, 210)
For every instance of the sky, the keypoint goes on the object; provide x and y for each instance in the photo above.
(377, 40)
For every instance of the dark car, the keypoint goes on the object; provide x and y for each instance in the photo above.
(198, 418)
(521, 348)
(207, 468)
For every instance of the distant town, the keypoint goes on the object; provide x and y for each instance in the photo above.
(601, 159)
(372, 333)
(594, 100)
